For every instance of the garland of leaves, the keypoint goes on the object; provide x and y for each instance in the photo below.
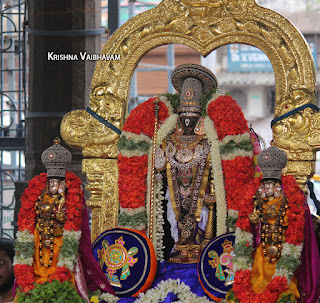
(24, 244)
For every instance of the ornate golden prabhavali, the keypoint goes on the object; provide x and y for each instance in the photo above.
(203, 25)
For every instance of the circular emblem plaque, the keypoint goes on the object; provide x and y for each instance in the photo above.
(128, 260)
(215, 269)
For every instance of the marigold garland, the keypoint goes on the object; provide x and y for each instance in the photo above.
(294, 238)
(24, 273)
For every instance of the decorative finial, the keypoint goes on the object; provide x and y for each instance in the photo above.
(56, 140)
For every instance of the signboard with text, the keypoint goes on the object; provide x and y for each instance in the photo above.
(246, 58)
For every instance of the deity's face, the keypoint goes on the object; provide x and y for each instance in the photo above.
(56, 186)
(188, 123)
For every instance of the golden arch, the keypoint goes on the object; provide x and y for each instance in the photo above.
(203, 25)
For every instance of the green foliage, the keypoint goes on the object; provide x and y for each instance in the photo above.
(128, 144)
(133, 220)
(53, 292)
(174, 100)
(204, 101)
(231, 222)
(24, 248)
(232, 145)
(289, 263)
(69, 247)
(241, 249)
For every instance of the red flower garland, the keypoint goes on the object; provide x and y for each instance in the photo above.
(24, 274)
(132, 192)
(242, 287)
(237, 173)
(244, 293)
(227, 116)
(142, 118)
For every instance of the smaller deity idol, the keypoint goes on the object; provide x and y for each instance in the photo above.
(53, 223)
(276, 213)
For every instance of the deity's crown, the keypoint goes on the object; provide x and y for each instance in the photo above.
(192, 81)
(56, 159)
(271, 161)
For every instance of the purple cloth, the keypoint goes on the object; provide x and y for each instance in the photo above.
(187, 273)
(171, 297)
(95, 278)
(308, 273)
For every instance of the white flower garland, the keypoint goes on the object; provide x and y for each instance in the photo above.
(244, 238)
(236, 153)
(167, 128)
(159, 222)
(68, 260)
(110, 298)
(167, 103)
(217, 175)
(160, 292)
(73, 239)
(158, 231)
(24, 257)
(136, 139)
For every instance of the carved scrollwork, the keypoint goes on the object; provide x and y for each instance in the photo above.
(102, 175)
(203, 25)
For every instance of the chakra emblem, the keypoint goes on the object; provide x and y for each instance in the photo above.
(117, 257)
(224, 260)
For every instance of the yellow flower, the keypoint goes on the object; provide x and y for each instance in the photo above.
(94, 299)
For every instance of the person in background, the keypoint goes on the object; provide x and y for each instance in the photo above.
(6, 270)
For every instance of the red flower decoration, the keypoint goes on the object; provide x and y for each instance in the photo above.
(132, 181)
(294, 235)
(24, 274)
(62, 274)
(227, 116)
(142, 118)
(244, 293)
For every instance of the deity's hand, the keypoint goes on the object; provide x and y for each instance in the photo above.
(61, 216)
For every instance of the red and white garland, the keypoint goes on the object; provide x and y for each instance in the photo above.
(291, 249)
(225, 125)
(23, 261)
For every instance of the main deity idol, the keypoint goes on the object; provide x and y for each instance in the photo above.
(181, 158)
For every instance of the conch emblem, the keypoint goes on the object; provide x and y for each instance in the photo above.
(117, 257)
(224, 260)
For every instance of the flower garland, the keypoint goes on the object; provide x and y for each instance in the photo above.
(158, 231)
(217, 176)
(161, 291)
(157, 294)
(24, 244)
(133, 161)
(225, 128)
(291, 249)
